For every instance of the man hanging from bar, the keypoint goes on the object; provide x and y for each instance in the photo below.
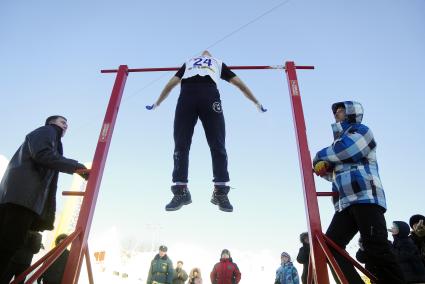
(200, 98)
(350, 164)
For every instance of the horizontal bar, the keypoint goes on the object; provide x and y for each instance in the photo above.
(231, 67)
(304, 67)
(322, 193)
(73, 193)
(51, 256)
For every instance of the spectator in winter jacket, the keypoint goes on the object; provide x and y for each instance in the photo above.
(304, 255)
(350, 164)
(225, 271)
(417, 223)
(161, 270)
(195, 276)
(407, 253)
(54, 274)
(286, 273)
(21, 260)
(28, 187)
(180, 276)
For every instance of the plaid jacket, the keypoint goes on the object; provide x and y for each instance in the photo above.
(352, 156)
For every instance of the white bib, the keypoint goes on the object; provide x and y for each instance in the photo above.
(203, 66)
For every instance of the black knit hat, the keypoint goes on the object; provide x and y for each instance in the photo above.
(163, 248)
(415, 219)
(303, 236)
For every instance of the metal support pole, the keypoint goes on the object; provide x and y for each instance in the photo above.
(48, 259)
(341, 277)
(312, 208)
(310, 271)
(89, 202)
(345, 254)
(88, 264)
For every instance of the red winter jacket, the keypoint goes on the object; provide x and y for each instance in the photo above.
(225, 272)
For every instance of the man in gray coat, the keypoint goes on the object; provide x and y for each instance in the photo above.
(28, 188)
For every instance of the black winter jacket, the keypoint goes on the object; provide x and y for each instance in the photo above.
(30, 179)
(420, 244)
(408, 255)
(54, 274)
(303, 257)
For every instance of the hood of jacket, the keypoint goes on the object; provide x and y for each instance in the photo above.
(353, 114)
(403, 229)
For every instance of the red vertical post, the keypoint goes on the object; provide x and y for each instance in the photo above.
(85, 218)
(318, 258)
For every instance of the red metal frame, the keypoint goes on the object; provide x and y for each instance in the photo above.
(320, 252)
(88, 264)
(348, 257)
(177, 68)
(79, 246)
(47, 259)
(318, 257)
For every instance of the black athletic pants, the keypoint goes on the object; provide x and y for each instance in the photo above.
(15, 222)
(199, 100)
(370, 221)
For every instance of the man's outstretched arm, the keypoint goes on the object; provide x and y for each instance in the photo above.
(244, 88)
(174, 81)
(247, 92)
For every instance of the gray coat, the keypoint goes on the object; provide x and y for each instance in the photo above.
(30, 179)
(180, 276)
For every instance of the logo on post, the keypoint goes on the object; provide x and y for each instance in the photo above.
(217, 107)
(294, 86)
(104, 133)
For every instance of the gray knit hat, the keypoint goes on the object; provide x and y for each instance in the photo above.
(285, 254)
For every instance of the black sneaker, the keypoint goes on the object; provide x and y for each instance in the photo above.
(219, 197)
(181, 197)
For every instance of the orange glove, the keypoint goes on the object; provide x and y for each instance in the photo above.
(321, 168)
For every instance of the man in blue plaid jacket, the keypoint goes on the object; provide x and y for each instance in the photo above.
(350, 164)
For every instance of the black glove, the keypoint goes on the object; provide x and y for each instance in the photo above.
(82, 171)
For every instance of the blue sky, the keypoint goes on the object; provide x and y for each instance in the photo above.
(372, 52)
